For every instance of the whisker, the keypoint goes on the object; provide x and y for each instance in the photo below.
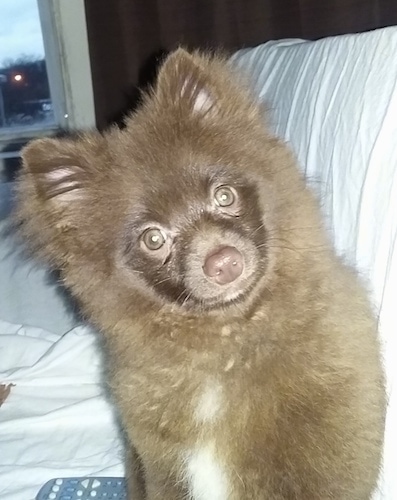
(295, 228)
(314, 247)
(163, 281)
(180, 295)
(257, 229)
(187, 298)
(275, 238)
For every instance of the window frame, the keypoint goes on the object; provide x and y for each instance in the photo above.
(67, 58)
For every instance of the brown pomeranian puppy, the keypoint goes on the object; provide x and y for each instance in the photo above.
(243, 355)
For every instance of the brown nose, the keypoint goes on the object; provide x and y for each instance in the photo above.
(224, 266)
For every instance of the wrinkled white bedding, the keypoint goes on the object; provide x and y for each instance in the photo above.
(56, 421)
(335, 101)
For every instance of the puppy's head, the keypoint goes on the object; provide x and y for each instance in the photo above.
(178, 208)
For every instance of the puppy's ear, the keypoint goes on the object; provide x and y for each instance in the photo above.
(205, 86)
(185, 79)
(54, 193)
(58, 169)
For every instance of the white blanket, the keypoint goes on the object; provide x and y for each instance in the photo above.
(56, 421)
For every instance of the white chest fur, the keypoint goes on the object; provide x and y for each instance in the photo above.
(206, 476)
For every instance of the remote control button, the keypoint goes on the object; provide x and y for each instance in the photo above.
(84, 483)
(55, 488)
(93, 494)
(59, 481)
(95, 483)
(52, 496)
(79, 493)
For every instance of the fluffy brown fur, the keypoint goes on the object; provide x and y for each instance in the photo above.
(267, 387)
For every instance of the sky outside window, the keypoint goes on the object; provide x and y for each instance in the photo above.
(20, 30)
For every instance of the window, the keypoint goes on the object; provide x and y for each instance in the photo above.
(45, 78)
(25, 100)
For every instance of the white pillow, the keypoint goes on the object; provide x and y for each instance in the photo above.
(335, 102)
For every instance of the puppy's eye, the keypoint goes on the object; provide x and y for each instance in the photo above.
(225, 196)
(153, 238)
